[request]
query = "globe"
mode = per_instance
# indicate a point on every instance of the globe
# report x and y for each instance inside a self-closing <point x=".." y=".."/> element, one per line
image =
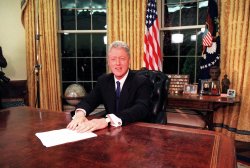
<point x="74" y="93"/>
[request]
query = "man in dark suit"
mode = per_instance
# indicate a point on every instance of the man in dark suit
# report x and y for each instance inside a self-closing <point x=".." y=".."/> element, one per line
<point x="130" y="104"/>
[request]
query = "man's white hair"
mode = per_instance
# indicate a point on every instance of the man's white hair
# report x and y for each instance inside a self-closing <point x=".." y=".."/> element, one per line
<point x="120" y="44"/>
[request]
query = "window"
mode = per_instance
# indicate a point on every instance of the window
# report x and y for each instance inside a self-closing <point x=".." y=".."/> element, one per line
<point x="82" y="30"/>
<point x="181" y="36"/>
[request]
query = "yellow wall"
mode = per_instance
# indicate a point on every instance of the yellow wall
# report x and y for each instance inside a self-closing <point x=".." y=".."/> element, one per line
<point x="12" y="39"/>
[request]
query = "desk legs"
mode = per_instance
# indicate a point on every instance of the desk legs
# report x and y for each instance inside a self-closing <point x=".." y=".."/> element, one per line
<point x="208" y="118"/>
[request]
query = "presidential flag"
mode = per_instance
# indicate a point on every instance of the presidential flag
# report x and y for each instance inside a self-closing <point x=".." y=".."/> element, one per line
<point x="152" y="51"/>
<point x="210" y="41"/>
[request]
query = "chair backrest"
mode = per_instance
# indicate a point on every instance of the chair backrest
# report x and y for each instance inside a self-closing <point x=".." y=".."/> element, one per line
<point x="159" y="94"/>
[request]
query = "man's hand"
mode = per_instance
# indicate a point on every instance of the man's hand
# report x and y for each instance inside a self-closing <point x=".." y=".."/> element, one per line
<point x="79" y="118"/>
<point x="92" y="125"/>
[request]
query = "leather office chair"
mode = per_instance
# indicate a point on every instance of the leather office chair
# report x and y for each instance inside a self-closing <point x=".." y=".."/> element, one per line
<point x="159" y="94"/>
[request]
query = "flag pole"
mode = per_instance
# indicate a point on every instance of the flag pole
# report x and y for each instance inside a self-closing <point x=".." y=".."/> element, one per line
<point x="37" y="66"/>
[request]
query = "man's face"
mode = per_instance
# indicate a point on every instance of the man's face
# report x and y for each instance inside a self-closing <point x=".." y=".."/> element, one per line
<point x="118" y="61"/>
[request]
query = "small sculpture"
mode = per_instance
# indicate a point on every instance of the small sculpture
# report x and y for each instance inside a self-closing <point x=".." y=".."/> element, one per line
<point x="225" y="82"/>
<point x="214" y="73"/>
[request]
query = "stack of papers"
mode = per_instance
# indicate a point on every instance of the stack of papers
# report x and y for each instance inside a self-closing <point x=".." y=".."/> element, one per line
<point x="61" y="136"/>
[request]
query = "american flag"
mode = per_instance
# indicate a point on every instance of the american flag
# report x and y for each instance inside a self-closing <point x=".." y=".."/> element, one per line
<point x="152" y="51"/>
<point x="207" y="38"/>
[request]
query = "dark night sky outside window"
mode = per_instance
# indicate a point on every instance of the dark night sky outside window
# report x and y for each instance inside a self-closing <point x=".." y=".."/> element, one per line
<point x="82" y="48"/>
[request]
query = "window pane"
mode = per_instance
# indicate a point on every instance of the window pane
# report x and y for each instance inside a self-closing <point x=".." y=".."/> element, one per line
<point x="83" y="45"/>
<point x="83" y="4"/>
<point x="99" y="4"/>
<point x="172" y="13"/>
<point x="187" y="67"/>
<point x="68" y="45"/>
<point x="87" y="86"/>
<point x="170" y="65"/>
<point x="99" y="67"/>
<point x="83" y="19"/>
<point x="188" y="0"/>
<point x="68" y="19"/>
<point x="99" y="19"/>
<point x="199" y="43"/>
<point x="187" y="48"/>
<point x="68" y="4"/>
<point x="169" y="48"/>
<point x="173" y="51"/>
<point x="167" y="43"/>
<point x="202" y="12"/>
<point x="172" y="1"/>
<point x="189" y="14"/>
<point x="99" y="48"/>
<point x="84" y="69"/>
<point x="68" y="69"/>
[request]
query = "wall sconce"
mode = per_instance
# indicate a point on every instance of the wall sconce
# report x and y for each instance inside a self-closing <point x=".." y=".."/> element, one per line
<point x="177" y="38"/>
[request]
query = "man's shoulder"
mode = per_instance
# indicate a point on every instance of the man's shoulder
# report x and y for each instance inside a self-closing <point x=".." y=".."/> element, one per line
<point x="105" y="77"/>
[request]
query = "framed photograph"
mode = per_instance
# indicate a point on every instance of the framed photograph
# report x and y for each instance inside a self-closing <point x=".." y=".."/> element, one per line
<point x="231" y="93"/>
<point x="190" y="89"/>
<point x="210" y="87"/>
<point x="215" y="88"/>
<point x="205" y="87"/>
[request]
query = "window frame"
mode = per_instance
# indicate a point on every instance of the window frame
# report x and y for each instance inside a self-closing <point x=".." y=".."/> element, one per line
<point x="161" y="16"/>
<point x="75" y="32"/>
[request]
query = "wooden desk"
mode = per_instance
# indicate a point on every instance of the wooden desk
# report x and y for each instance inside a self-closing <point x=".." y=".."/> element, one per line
<point x="136" y="145"/>
<point x="201" y="103"/>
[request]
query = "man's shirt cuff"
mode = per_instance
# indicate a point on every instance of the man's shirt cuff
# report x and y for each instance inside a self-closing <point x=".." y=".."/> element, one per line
<point x="114" y="120"/>
<point x="79" y="110"/>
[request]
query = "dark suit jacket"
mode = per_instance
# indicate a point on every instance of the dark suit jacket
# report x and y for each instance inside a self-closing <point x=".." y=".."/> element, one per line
<point x="134" y="103"/>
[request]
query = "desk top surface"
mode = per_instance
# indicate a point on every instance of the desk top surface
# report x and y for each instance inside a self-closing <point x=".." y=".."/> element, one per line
<point x="135" y="145"/>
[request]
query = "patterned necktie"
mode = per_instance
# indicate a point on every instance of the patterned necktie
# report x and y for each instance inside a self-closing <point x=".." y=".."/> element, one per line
<point x="118" y="90"/>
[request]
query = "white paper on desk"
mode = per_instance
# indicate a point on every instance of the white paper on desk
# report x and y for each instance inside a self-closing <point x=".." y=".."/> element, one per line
<point x="61" y="136"/>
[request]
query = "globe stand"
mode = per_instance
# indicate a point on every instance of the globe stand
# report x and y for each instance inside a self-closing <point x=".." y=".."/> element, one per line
<point x="71" y="103"/>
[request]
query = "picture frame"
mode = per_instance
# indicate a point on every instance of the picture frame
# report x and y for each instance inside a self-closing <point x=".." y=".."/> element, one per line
<point x="177" y="83"/>
<point x="231" y="93"/>
<point x="210" y="87"/>
<point x="215" y="88"/>
<point x="205" y="87"/>
<point x="190" y="89"/>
